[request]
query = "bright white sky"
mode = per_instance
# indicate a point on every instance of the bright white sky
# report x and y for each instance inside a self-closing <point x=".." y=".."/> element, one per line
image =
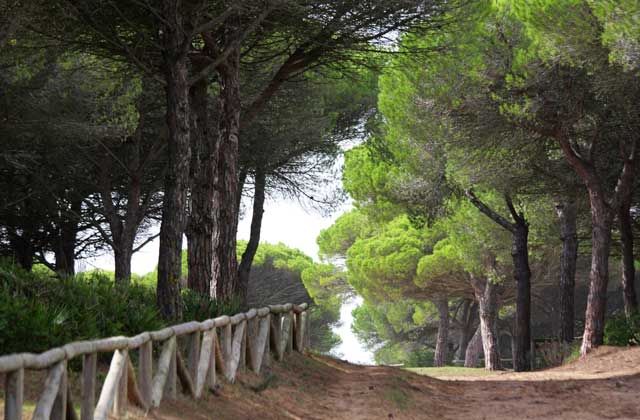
<point x="284" y="221"/>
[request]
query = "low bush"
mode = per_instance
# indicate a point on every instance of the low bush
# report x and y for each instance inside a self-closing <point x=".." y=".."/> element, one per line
<point x="39" y="311"/>
<point x="622" y="330"/>
<point x="197" y="307"/>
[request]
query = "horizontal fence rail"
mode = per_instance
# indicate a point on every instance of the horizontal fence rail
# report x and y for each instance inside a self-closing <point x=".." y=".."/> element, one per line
<point x="214" y="347"/>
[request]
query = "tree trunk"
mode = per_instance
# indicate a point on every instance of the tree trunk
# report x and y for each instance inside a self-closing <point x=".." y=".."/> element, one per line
<point x="122" y="253"/>
<point x="567" y="213"/>
<point x="519" y="229"/>
<point x="65" y="252"/>
<point x="256" y="226"/>
<point x="628" y="268"/>
<point x="467" y="331"/>
<point x="522" y="274"/>
<point x="474" y="349"/>
<point x="23" y="251"/>
<point x="201" y="219"/>
<point x="442" y="342"/>
<point x="226" y="283"/>
<point x="601" y="221"/>
<point x="463" y="341"/>
<point x="487" y="296"/>
<point x="604" y="205"/>
<point x="175" y="64"/>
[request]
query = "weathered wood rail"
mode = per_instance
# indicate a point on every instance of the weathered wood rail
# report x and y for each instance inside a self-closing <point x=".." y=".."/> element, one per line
<point x="215" y="346"/>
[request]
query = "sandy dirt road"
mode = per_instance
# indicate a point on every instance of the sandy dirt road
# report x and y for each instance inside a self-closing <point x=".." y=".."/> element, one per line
<point x="605" y="386"/>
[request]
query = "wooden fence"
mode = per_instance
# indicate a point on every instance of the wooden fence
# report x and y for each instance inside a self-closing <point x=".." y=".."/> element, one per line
<point x="214" y="347"/>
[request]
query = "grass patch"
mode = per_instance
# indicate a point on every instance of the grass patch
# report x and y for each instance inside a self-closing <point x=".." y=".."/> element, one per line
<point x="450" y="371"/>
<point x="573" y="355"/>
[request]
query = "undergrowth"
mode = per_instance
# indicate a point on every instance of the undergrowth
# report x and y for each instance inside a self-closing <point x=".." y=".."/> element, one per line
<point x="40" y="311"/>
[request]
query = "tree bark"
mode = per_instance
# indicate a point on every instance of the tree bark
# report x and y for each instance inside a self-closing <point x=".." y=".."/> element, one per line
<point x="522" y="274"/>
<point x="65" y="251"/>
<point x="603" y="206"/>
<point x="175" y="63"/>
<point x="519" y="229"/>
<point x="487" y="296"/>
<point x="628" y="267"/>
<point x="123" y="232"/>
<point x="474" y="349"/>
<point x="442" y="341"/>
<point x="226" y="282"/>
<point x="256" y="226"/>
<point x="470" y="309"/>
<point x="567" y="214"/>
<point x="201" y="218"/>
<point x="601" y="224"/>
<point x="122" y="257"/>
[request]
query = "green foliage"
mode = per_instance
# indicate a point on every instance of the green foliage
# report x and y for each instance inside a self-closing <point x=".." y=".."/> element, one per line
<point x="198" y="307"/>
<point x="349" y="227"/>
<point x="622" y="330"/>
<point x="382" y="266"/>
<point x="40" y="312"/>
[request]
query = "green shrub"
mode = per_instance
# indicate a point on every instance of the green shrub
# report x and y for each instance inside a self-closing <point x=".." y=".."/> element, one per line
<point x="200" y="307"/>
<point x="420" y="356"/>
<point x="40" y="311"/>
<point x="621" y="330"/>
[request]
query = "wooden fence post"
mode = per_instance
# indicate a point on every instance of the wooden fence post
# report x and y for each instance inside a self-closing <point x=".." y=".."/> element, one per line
<point x="203" y="364"/>
<point x="301" y="326"/>
<point x="88" y="393"/>
<point x="275" y="333"/>
<point x="59" y="411"/>
<point x="266" y="354"/>
<point x="194" y="354"/>
<point x="46" y="406"/>
<point x="145" y="370"/>
<point x="292" y="321"/>
<point x="162" y="375"/>
<point x="121" y="399"/>
<point x="14" y="394"/>
<point x="171" y="385"/>
<point x="110" y="386"/>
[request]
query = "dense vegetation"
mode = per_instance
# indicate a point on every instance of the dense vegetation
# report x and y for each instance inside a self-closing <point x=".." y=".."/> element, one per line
<point x="493" y="179"/>
<point x="499" y="159"/>
<point x="40" y="310"/>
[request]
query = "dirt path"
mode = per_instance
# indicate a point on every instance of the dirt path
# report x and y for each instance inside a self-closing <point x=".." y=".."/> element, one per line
<point x="606" y="386"/>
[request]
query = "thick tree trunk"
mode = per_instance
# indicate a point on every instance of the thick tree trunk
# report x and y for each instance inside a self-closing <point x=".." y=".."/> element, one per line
<point x="487" y="296"/>
<point x="177" y="176"/>
<point x="567" y="214"/>
<point x="628" y="268"/>
<point x="442" y="341"/>
<point x="65" y="252"/>
<point x="474" y="349"/>
<point x="603" y="206"/>
<point x="256" y="226"/>
<point x="465" y="328"/>
<point x="122" y="254"/>
<point x="601" y="221"/>
<point x="468" y="327"/>
<point x="522" y="274"/>
<point x="201" y="218"/>
<point x="226" y="283"/>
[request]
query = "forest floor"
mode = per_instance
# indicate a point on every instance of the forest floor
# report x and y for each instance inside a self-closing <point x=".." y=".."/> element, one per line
<point x="606" y="385"/>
